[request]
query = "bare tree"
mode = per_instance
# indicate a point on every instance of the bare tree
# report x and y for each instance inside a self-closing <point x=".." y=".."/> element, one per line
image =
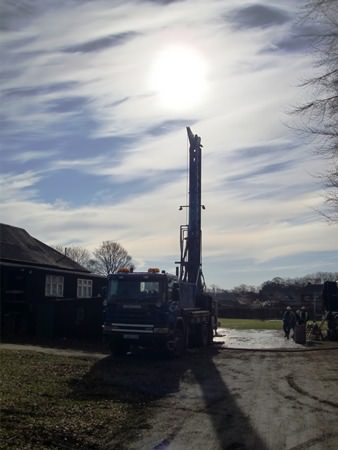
<point x="59" y="248"/>
<point x="77" y="254"/>
<point x="320" y="113"/>
<point x="111" y="257"/>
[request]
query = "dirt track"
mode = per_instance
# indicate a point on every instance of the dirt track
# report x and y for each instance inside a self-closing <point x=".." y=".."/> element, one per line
<point x="230" y="399"/>
<point x="237" y="400"/>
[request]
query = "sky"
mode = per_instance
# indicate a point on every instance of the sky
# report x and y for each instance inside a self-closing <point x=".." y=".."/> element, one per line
<point x="95" y="100"/>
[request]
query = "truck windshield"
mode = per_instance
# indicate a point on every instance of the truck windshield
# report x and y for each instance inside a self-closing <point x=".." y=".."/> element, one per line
<point x="137" y="290"/>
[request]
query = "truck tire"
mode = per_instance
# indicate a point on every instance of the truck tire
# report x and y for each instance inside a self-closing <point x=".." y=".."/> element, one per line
<point x="202" y="336"/>
<point x="118" y="348"/>
<point x="210" y="334"/>
<point x="177" y="344"/>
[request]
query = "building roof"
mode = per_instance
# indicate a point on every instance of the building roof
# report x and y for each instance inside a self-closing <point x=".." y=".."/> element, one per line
<point x="17" y="246"/>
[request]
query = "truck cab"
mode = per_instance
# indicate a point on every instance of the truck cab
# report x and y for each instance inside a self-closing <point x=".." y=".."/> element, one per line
<point x="153" y="309"/>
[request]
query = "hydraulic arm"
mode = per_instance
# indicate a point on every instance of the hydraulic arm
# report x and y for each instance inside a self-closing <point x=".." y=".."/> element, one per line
<point x="191" y="234"/>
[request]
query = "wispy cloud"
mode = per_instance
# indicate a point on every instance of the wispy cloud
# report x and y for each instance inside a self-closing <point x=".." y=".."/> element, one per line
<point x="90" y="152"/>
<point x="18" y="186"/>
<point x="32" y="155"/>
<point x="258" y="16"/>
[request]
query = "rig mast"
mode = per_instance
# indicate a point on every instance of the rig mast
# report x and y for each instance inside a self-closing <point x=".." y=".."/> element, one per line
<point x="191" y="234"/>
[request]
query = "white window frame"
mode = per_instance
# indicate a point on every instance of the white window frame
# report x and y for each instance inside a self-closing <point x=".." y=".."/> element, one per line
<point x="54" y="286"/>
<point x="84" y="288"/>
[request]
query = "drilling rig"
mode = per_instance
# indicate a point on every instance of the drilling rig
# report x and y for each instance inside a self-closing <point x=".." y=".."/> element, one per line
<point x="161" y="310"/>
<point x="191" y="234"/>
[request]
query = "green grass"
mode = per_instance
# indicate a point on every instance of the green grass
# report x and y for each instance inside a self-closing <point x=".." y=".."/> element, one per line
<point x="62" y="402"/>
<point x="250" y="324"/>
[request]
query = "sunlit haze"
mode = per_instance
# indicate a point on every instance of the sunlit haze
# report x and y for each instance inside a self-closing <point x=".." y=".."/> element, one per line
<point x="95" y="100"/>
<point x="178" y="76"/>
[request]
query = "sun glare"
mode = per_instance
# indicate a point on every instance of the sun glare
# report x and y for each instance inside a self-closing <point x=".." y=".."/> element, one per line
<point x="178" y="76"/>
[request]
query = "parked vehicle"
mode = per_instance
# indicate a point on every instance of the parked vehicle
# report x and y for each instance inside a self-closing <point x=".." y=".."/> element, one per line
<point x="162" y="310"/>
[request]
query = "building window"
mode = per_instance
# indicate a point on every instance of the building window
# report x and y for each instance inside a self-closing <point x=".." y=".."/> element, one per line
<point x="54" y="286"/>
<point x="84" y="288"/>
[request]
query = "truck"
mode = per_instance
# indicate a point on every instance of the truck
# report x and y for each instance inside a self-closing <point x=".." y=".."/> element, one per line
<point x="330" y="307"/>
<point x="159" y="310"/>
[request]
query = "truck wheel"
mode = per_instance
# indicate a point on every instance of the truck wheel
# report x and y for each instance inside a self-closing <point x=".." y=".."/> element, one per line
<point x="177" y="345"/>
<point x="118" y="348"/>
<point x="203" y="336"/>
<point x="210" y="334"/>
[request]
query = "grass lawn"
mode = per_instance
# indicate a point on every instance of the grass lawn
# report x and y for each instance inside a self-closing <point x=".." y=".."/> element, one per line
<point x="250" y="324"/>
<point x="62" y="402"/>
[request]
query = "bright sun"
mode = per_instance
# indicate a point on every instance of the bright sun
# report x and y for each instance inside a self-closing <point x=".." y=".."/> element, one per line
<point x="178" y="76"/>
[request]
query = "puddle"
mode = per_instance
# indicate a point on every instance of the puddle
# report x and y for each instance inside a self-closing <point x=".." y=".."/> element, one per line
<point x="255" y="339"/>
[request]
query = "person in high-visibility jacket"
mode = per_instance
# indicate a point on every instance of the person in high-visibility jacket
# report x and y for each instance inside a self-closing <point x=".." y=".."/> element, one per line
<point x="289" y="321"/>
<point x="302" y="316"/>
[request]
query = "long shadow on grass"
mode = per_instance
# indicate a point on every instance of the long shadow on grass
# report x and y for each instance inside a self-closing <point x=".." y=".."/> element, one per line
<point x="144" y="378"/>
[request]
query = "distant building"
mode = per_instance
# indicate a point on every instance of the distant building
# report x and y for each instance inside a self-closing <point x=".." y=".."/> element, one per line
<point x="43" y="292"/>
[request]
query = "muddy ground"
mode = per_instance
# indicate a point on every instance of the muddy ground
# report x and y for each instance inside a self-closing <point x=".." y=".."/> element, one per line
<point x="231" y="399"/>
<point x="225" y="398"/>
